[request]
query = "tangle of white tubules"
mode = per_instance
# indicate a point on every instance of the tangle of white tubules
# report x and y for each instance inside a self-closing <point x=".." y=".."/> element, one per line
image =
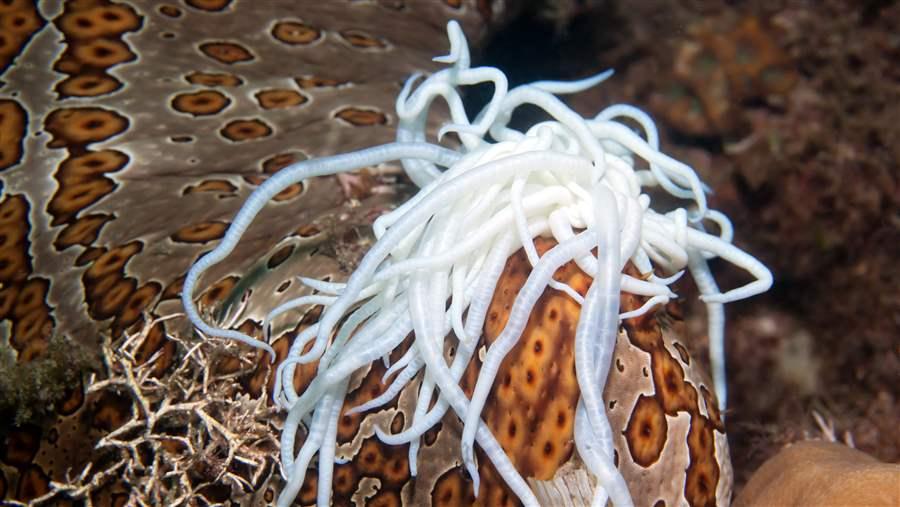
<point x="438" y="256"/>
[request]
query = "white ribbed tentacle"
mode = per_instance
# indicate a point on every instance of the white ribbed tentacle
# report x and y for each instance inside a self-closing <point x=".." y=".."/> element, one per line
<point x="273" y="186"/>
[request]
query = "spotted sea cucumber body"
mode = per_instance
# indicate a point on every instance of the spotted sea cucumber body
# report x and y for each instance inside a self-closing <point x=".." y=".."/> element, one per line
<point x="670" y="441"/>
<point x="157" y="119"/>
<point x="669" y="438"/>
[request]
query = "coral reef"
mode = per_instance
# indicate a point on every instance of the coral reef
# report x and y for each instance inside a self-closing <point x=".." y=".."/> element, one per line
<point x="723" y="64"/>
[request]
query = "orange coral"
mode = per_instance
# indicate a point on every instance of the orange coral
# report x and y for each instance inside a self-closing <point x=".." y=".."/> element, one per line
<point x="722" y="64"/>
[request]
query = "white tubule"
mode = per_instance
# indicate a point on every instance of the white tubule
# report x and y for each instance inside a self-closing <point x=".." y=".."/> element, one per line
<point x="570" y="178"/>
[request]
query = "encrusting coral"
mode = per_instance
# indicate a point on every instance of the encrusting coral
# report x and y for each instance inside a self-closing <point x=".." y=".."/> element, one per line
<point x="822" y="473"/>
<point x="152" y="440"/>
<point x="29" y="391"/>
<point x="437" y="259"/>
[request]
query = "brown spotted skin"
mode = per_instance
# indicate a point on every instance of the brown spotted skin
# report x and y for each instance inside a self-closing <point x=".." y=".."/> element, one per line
<point x="19" y="21"/>
<point x="681" y="459"/>
<point x="23" y="294"/>
<point x="670" y="446"/>
<point x="532" y="404"/>
<point x="667" y="447"/>
<point x="146" y="100"/>
<point x="12" y="132"/>
<point x="156" y="122"/>
<point x="678" y="420"/>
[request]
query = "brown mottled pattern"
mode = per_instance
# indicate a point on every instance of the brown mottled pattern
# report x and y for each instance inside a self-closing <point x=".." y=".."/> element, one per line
<point x="160" y="118"/>
<point x="667" y="459"/>
<point x="93" y="33"/>
<point x="361" y="117"/>
<point x="19" y="21"/>
<point x="363" y="40"/>
<point x="680" y="415"/>
<point x="12" y="132"/>
<point x="202" y="103"/>
<point x="22" y="294"/>
<point x="280" y="98"/>
<point x="227" y="52"/>
<point x="532" y="404"/>
<point x="295" y="33"/>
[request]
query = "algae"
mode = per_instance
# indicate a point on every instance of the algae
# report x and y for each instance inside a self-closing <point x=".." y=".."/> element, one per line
<point x="29" y="391"/>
